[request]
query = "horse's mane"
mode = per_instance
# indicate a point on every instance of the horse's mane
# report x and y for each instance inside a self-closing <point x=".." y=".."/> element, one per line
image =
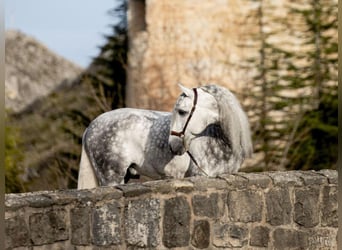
<point x="233" y="120"/>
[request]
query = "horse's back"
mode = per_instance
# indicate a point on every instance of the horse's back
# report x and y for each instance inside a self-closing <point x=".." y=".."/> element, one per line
<point x="120" y="121"/>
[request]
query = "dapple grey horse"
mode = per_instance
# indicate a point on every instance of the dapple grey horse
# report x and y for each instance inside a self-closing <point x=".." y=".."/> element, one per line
<point x="209" y="124"/>
<point x="206" y="134"/>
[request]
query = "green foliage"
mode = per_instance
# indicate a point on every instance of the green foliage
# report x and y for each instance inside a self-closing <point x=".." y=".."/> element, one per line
<point x="13" y="158"/>
<point x="111" y="64"/>
<point x="317" y="143"/>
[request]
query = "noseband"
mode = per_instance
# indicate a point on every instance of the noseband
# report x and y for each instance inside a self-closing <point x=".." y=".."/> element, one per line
<point x="181" y="134"/>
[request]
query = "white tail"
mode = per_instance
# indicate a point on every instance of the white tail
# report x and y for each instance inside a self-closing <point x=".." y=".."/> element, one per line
<point x="86" y="175"/>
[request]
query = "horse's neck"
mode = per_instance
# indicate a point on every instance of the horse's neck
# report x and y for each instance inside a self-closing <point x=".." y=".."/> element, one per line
<point x="213" y="156"/>
<point x="161" y="128"/>
<point x="157" y="143"/>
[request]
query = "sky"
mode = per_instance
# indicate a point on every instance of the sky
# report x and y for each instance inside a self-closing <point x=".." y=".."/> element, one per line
<point x="72" y="28"/>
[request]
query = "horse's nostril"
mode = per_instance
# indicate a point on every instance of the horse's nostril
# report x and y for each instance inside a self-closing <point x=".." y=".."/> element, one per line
<point x="176" y="146"/>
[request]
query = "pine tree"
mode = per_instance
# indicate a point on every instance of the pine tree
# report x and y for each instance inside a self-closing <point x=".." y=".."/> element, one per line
<point x="104" y="80"/>
<point x="110" y="66"/>
<point x="51" y="133"/>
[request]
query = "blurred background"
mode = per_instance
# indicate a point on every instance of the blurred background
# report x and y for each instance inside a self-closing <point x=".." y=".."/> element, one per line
<point x="69" y="61"/>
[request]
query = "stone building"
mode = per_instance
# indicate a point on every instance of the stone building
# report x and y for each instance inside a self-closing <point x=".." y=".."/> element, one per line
<point x="181" y="41"/>
<point x="194" y="44"/>
<point x="208" y="42"/>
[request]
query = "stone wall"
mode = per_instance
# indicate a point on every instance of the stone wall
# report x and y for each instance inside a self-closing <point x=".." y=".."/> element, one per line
<point x="272" y="210"/>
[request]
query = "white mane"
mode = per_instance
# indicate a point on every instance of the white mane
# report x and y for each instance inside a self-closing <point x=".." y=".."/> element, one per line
<point x="233" y="120"/>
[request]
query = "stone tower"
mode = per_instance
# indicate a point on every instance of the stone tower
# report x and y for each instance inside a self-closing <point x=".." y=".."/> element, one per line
<point x="187" y="42"/>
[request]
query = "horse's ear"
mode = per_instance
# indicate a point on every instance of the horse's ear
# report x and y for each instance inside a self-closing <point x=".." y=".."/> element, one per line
<point x="188" y="92"/>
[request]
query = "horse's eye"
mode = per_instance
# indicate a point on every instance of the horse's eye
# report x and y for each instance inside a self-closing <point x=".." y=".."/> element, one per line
<point x="182" y="112"/>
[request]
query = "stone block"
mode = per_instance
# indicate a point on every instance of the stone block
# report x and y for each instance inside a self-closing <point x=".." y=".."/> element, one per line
<point x="107" y="193"/>
<point x="260" y="236"/>
<point x="207" y="206"/>
<point x="201" y="234"/>
<point x="332" y="175"/>
<point x="159" y="186"/>
<point x="234" y="181"/>
<point x="324" y="239"/>
<point x="33" y="199"/>
<point x="14" y="202"/>
<point x="260" y="180"/>
<point x="71" y="195"/>
<point x="230" y="235"/>
<point x="311" y="177"/>
<point x="16" y="232"/>
<point x="171" y="186"/>
<point x="245" y="205"/>
<point x="39" y="201"/>
<point x="63" y="197"/>
<point x="306" y="207"/>
<point x="279" y="207"/>
<point x="106" y="227"/>
<point x="49" y="227"/>
<point x="176" y="223"/>
<point x="80" y="219"/>
<point x="203" y="183"/>
<point x="285" y="179"/>
<point x="329" y="207"/>
<point x="142" y="219"/>
<point x="133" y="190"/>
<point x="290" y="239"/>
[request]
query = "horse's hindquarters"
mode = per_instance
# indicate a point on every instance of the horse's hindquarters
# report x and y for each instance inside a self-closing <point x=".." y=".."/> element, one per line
<point x="86" y="175"/>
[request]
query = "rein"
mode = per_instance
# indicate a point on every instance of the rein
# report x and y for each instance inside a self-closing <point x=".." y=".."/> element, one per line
<point x="194" y="160"/>
<point x="181" y="134"/>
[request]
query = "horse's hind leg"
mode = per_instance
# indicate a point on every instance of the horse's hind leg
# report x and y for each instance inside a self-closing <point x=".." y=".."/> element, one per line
<point x="131" y="173"/>
<point x="86" y="175"/>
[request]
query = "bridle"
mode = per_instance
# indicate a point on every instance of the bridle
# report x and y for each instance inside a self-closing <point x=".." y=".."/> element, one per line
<point x="182" y="133"/>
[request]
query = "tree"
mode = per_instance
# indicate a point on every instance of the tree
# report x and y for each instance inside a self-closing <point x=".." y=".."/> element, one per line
<point x="13" y="157"/>
<point x="51" y="131"/>
<point x="111" y="64"/>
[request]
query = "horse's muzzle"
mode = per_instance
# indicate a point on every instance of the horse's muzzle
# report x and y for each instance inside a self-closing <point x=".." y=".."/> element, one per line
<point x="176" y="145"/>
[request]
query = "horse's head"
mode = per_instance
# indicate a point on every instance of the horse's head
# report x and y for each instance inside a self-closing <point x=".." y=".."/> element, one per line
<point x="199" y="108"/>
<point x="194" y="110"/>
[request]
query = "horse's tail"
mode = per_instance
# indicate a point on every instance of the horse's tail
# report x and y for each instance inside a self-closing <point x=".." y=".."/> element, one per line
<point x="86" y="175"/>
